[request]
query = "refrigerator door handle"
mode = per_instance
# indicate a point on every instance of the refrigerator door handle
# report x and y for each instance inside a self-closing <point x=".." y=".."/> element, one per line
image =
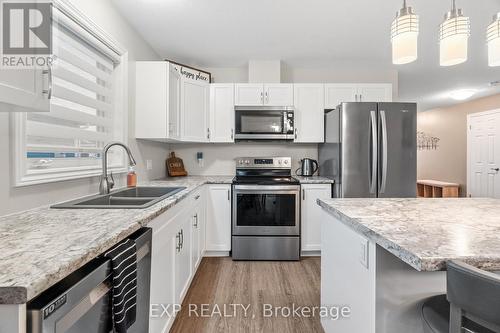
<point x="383" y="121"/>
<point x="374" y="148"/>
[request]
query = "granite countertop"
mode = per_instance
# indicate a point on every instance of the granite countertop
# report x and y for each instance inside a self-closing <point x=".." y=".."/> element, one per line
<point x="425" y="233"/>
<point x="314" y="180"/>
<point x="41" y="246"/>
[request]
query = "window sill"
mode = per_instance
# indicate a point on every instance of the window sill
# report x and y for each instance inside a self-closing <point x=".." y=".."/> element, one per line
<point x="29" y="180"/>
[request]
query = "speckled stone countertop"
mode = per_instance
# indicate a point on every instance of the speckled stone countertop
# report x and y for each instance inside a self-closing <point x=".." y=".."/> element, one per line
<point x="425" y="233"/>
<point x="314" y="180"/>
<point x="39" y="247"/>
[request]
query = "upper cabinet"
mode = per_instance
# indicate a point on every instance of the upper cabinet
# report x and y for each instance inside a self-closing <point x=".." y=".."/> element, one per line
<point x="252" y="94"/>
<point x="194" y="111"/>
<point x="336" y="93"/>
<point x="28" y="88"/>
<point x="222" y="112"/>
<point x="170" y="106"/>
<point x="309" y="112"/>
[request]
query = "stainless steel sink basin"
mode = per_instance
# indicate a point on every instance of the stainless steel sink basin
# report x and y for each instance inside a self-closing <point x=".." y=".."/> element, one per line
<point x="132" y="198"/>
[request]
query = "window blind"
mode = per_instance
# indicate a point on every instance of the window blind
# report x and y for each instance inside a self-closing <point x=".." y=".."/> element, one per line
<point x="82" y="117"/>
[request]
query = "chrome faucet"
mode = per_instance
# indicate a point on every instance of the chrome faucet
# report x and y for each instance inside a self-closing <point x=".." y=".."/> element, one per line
<point x="107" y="183"/>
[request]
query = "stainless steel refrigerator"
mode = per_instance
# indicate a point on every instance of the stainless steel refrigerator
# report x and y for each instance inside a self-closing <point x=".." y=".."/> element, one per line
<point x="370" y="150"/>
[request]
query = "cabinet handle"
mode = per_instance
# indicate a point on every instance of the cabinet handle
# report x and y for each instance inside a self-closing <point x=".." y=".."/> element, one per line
<point x="267" y="97"/>
<point x="228" y="195"/>
<point x="360" y="97"/>
<point x="262" y="97"/>
<point x="295" y="132"/>
<point x="303" y="194"/>
<point x="48" y="71"/>
<point x="182" y="239"/>
<point x="356" y="97"/>
<point x="232" y="134"/>
<point x="178" y="237"/>
<point x="195" y="224"/>
<point x="208" y="133"/>
<point x="197" y="197"/>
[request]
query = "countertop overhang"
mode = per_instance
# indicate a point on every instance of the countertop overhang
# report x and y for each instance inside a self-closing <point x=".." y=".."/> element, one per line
<point x="426" y="233"/>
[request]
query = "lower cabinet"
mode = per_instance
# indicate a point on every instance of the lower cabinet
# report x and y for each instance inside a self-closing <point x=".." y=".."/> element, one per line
<point x="182" y="258"/>
<point x="311" y="215"/>
<point x="218" y="228"/>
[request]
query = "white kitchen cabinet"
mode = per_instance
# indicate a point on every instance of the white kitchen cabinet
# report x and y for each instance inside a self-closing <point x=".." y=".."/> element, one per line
<point x="375" y="92"/>
<point x="309" y="112"/>
<point x="249" y="94"/>
<point x="194" y="110"/>
<point x="222" y="112"/>
<point x="278" y="94"/>
<point x="27" y="88"/>
<point x="255" y="94"/>
<point x="182" y="258"/>
<point x="312" y="214"/>
<point x="336" y="93"/>
<point x="218" y="221"/>
<point x="157" y="101"/>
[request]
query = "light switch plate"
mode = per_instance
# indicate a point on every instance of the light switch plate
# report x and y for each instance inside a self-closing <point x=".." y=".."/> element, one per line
<point x="364" y="251"/>
<point x="149" y="164"/>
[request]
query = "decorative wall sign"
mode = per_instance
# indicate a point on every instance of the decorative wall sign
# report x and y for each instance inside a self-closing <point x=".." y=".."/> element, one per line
<point x="192" y="73"/>
<point x="426" y="142"/>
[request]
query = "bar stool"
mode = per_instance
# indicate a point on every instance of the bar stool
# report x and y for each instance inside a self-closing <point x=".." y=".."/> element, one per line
<point x="471" y="303"/>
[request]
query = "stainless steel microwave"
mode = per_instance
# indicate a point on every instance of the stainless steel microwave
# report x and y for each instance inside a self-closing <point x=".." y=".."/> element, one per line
<point x="264" y="122"/>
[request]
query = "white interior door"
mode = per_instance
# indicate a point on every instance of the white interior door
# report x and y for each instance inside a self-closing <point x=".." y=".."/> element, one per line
<point x="483" y="154"/>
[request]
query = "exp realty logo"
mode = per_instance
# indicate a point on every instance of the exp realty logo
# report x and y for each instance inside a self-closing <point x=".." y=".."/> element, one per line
<point x="26" y="34"/>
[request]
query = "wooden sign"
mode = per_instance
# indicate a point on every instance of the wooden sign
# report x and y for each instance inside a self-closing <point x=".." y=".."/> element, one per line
<point x="192" y="73"/>
<point x="175" y="166"/>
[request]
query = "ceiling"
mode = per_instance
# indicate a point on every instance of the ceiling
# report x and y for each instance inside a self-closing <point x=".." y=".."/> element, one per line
<point x="228" y="33"/>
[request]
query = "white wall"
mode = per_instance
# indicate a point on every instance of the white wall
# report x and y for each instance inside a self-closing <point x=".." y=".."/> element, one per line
<point x="13" y="199"/>
<point x="219" y="158"/>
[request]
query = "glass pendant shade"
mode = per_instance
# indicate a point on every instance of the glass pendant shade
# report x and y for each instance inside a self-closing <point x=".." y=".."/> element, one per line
<point x="404" y="36"/>
<point x="493" y="37"/>
<point x="454" y="38"/>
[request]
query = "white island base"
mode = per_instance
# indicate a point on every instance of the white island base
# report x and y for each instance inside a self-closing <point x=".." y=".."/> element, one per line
<point x="383" y="292"/>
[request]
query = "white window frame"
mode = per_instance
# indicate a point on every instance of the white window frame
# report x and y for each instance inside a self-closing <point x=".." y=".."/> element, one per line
<point x="18" y="120"/>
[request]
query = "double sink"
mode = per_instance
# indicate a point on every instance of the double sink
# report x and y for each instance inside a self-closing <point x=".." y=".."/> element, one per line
<point x="132" y="198"/>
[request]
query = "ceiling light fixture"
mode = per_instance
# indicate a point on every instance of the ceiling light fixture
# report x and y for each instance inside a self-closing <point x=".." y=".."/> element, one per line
<point x="454" y="35"/>
<point x="493" y="38"/>
<point x="404" y="36"/>
<point x="462" y="94"/>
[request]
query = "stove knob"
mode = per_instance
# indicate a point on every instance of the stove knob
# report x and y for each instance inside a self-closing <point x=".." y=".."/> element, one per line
<point x="279" y="161"/>
<point x="286" y="161"/>
<point x="240" y="162"/>
<point x="247" y="162"/>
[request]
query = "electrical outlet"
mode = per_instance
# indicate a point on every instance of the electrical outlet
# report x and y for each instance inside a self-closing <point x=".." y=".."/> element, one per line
<point x="149" y="164"/>
<point x="364" y="252"/>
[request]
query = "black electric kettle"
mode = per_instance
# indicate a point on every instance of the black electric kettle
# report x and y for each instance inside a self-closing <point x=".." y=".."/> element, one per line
<point x="308" y="167"/>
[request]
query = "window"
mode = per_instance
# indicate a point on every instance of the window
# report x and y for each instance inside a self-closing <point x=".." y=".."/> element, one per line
<point x="87" y="108"/>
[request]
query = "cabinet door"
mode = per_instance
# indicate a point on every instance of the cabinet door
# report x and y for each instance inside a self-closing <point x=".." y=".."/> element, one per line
<point x="218" y="228"/>
<point x="162" y="273"/>
<point x="312" y="215"/>
<point x="309" y="112"/>
<point x="221" y="113"/>
<point x="183" y="268"/>
<point x="194" y="110"/>
<point x="249" y="94"/>
<point x="278" y="94"/>
<point x="338" y="93"/>
<point x="174" y="103"/>
<point x="375" y="92"/>
<point x="25" y="88"/>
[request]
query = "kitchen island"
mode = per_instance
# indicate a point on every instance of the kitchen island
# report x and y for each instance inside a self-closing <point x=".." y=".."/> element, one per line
<point x="383" y="257"/>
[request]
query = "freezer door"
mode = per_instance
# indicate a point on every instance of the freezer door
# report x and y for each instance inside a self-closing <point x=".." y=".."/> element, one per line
<point x="397" y="170"/>
<point x="358" y="150"/>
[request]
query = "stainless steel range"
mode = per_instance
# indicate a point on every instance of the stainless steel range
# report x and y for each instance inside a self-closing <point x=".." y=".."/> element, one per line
<point x="266" y="210"/>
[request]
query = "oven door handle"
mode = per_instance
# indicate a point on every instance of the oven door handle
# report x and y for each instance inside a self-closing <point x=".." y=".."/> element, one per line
<point x="266" y="189"/>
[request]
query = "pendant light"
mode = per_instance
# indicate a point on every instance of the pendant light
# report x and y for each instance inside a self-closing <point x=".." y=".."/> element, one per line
<point x="493" y="37"/>
<point x="404" y="36"/>
<point x="454" y="35"/>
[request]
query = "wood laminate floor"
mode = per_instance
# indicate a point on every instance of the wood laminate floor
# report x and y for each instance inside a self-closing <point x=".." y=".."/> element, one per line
<point x="222" y="282"/>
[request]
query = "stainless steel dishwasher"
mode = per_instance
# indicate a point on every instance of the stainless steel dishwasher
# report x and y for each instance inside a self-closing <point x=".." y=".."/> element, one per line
<point x="81" y="302"/>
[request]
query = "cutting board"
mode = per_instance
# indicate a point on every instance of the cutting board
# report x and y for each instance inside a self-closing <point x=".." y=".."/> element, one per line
<point x="175" y="166"/>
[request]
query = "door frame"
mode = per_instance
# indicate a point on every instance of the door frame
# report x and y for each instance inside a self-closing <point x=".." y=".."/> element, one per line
<point x="469" y="144"/>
